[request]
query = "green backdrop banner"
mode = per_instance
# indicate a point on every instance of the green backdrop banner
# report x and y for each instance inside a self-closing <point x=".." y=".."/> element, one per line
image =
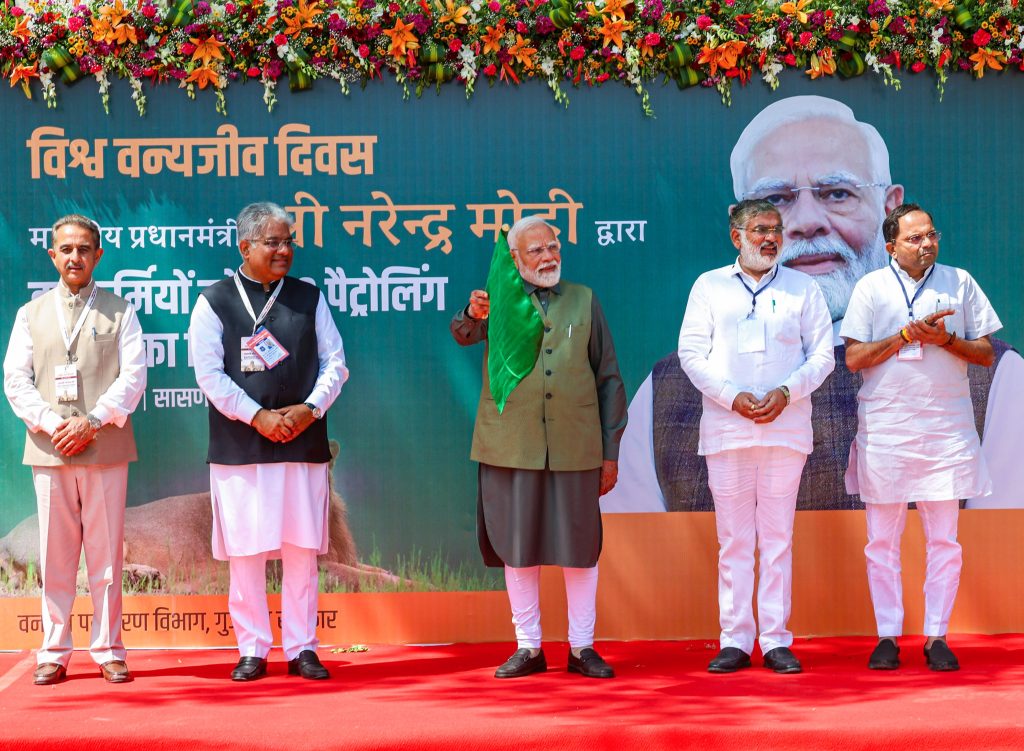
<point x="398" y="204"/>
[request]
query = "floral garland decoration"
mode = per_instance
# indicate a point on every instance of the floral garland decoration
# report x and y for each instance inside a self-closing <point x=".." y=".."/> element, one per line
<point x="421" y="43"/>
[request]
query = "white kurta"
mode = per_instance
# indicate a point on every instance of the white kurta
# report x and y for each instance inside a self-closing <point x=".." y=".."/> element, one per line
<point x="916" y="435"/>
<point x="259" y="507"/>
<point x="796" y="352"/>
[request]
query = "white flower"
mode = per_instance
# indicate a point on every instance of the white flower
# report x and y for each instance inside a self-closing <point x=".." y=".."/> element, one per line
<point x="547" y="66"/>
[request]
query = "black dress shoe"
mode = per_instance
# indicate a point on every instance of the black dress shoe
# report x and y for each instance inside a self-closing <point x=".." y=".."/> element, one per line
<point x="781" y="660"/>
<point x="940" y="657"/>
<point x="249" y="669"/>
<point x="885" y="657"/>
<point x="590" y="664"/>
<point x="520" y="664"/>
<point x="729" y="660"/>
<point x="307" y="664"/>
<point x="49" y="673"/>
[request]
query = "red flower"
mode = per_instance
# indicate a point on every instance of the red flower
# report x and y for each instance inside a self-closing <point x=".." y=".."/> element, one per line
<point x="16" y="11"/>
<point x="704" y="22"/>
<point x="981" y="38"/>
<point x="918" y="66"/>
<point x="363" y="50"/>
<point x="491" y="70"/>
<point x="789" y="59"/>
<point x="253" y="72"/>
<point x="603" y="77"/>
<point x="578" y="52"/>
<point x="494" y="5"/>
<point x="148" y="11"/>
<point x="455" y="45"/>
<point x="188" y="48"/>
<point x="280" y="39"/>
<point x="806" y="38"/>
<point x="652" y="39"/>
<point x="75" y="23"/>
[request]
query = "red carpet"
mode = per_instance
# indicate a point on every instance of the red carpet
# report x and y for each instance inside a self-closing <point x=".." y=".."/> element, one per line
<point x="446" y="698"/>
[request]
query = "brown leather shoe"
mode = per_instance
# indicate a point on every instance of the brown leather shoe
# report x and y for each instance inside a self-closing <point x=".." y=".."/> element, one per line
<point x="49" y="673"/>
<point x="115" y="671"/>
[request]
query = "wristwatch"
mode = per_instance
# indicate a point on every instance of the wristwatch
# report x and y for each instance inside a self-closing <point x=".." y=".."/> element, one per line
<point x="317" y="412"/>
<point x="94" y="422"/>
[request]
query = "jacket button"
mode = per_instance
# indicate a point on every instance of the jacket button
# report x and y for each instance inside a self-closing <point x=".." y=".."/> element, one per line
<point x="74" y="358"/>
<point x="547" y="372"/>
<point x="74" y="413"/>
<point x="547" y="396"/>
<point x="547" y="351"/>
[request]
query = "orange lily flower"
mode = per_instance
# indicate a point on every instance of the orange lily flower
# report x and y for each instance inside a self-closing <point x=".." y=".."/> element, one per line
<point x="985" y="58"/>
<point x="21" y="30"/>
<point x="492" y="39"/>
<point x="796" y="10"/>
<point x="402" y="39"/>
<point x="522" y="53"/>
<point x="822" y="64"/>
<point x="453" y="14"/>
<point x="612" y="31"/>
<point x="723" y="56"/>
<point x="203" y="76"/>
<point x="302" y="18"/>
<point x="113" y="14"/>
<point x="616" y="9"/>
<point x="22" y="74"/>
<point x="207" y="49"/>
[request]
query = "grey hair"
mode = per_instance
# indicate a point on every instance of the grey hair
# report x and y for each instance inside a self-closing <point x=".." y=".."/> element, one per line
<point x="743" y="211"/>
<point x="795" y="109"/>
<point x="254" y="217"/>
<point x="78" y="220"/>
<point x="527" y="222"/>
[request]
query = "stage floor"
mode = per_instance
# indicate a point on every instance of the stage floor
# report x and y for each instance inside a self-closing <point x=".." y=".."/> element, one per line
<point x="445" y="697"/>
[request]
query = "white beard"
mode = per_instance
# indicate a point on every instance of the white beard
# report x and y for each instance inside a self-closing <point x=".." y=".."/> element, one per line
<point x="542" y="278"/>
<point x="837" y="286"/>
<point x="752" y="258"/>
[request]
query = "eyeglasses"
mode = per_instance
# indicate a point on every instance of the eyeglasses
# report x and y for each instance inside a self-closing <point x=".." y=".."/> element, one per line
<point x="273" y="243"/>
<point x="915" y="241"/>
<point x="535" y="251"/>
<point x="762" y="231"/>
<point x="838" y="197"/>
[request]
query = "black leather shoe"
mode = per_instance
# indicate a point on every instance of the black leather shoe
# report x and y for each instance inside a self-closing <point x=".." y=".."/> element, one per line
<point x="590" y="664"/>
<point x="781" y="660"/>
<point x="885" y="657"/>
<point x="940" y="657"/>
<point x="249" y="669"/>
<point x="49" y="673"/>
<point x="307" y="664"/>
<point x="520" y="664"/>
<point x="729" y="660"/>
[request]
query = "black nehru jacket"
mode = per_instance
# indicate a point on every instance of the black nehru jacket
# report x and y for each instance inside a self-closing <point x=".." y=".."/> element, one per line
<point x="292" y="321"/>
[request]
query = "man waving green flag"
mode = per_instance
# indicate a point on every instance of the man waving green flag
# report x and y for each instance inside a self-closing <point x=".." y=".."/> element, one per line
<point x="515" y="326"/>
<point x="547" y="453"/>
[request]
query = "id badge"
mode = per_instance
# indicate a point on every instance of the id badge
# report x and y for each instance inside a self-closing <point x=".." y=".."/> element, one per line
<point x="912" y="351"/>
<point x="750" y="333"/>
<point x="250" y="362"/>
<point x="65" y="382"/>
<point x="266" y="347"/>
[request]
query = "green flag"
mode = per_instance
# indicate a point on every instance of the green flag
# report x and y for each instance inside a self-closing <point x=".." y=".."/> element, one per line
<point x="514" y="327"/>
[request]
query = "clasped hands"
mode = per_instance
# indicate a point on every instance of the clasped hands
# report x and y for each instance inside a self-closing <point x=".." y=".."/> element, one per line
<point x="73" y="436"/>
<point x="931" y="329"/>
<point x="283" y="424"/>
<point x="761" y="410"/>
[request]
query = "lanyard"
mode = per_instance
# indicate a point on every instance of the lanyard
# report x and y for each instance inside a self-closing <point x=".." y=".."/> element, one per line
<point x="69" y="338"/>
<point x="753" y="295"/>
<point x="248" y="306"/>
<point x="911" y="300"/>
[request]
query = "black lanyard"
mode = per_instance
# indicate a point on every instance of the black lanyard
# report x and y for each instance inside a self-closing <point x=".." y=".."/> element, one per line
<point x="753" y="295"/>
<point x="910" y="301"/>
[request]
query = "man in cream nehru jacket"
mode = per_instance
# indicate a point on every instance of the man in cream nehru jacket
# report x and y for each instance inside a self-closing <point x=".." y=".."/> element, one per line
<point x="74" y="372"/>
